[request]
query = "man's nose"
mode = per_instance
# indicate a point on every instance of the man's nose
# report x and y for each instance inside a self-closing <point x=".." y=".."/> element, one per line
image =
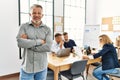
<point x="36" y="14"/>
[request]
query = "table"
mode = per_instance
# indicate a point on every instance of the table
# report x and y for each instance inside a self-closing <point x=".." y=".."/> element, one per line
<point x="58" y="64"/>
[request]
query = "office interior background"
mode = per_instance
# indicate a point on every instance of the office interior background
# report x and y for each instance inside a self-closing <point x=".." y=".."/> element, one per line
<point x="84" y="20"/>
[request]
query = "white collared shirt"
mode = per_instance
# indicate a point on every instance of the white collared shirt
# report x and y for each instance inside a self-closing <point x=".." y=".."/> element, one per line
<point x="56" y="47"/>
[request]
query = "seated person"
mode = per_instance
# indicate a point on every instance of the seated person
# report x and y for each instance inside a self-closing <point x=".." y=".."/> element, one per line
<point x="68" y="43"/>
<point x="109" y="59"/>
<point x="58" y="43"/>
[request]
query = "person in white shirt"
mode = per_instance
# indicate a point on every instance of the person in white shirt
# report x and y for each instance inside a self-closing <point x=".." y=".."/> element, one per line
<point x="58" y="43"/>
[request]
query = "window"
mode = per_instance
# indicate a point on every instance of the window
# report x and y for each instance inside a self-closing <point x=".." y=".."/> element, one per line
<point x="24" y="8"/>
<point x="74" y="16"/>
<point x="74" y="19"/>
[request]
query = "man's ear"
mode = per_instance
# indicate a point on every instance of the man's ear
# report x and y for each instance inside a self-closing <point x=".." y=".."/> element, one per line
<point x="42" y="15"/>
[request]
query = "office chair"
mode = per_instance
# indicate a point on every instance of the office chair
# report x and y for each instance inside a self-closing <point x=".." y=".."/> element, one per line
<point x="50" y="75"/>
<point x="117" y="75"/>
<point x="76" y="70"/>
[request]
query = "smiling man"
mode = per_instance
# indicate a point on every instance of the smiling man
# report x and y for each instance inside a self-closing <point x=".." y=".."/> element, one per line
<point x="36" y="40"/>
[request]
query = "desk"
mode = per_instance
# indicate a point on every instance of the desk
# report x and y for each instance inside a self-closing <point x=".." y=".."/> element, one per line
<point x="58" y="64"/>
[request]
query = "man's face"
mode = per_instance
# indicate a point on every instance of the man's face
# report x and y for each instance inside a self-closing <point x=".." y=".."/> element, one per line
<point x="58" y="39"/>
<point x="66" y="37"/>
<point x="36" y="14"/>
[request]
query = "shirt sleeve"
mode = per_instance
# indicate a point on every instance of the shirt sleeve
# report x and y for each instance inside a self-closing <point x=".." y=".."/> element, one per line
<point x="104" y="50"/>
<point x="26" y="43"/>
<point x="55" y="47"/>
<point x="74" y="43"/>
<point x="47" y="46"/>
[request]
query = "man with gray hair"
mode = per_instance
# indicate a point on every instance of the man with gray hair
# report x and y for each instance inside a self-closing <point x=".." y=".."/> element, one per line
<point x="36" y="40"/>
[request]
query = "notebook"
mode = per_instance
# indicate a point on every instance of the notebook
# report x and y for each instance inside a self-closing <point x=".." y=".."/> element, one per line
<point x="64" y="52"/>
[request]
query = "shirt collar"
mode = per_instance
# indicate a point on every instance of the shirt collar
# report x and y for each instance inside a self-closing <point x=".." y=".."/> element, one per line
<point x="56" y="42"/>
<point x="41" y="25"/>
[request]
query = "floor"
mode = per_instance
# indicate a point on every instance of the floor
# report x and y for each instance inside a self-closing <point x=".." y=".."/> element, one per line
<point x="15" y="77"/>
<point x="90" y="77"/>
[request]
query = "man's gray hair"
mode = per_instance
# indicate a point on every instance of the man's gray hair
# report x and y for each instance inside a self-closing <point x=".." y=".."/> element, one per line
<point x="36" y="5"/>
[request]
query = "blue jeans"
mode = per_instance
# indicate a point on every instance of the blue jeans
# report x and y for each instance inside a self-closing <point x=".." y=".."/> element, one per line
<point x="101" y="74"/>
<point x="33" y="76"/>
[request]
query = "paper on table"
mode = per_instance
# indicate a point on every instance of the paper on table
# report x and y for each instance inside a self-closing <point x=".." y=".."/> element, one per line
<point x="78" y="51"/>
<point x="72" y="59"/>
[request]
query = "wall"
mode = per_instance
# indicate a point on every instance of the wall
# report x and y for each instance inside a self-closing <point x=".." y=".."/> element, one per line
<point x="58" y="16"/>
<point x="96" y="9"/>
<point x="91" y="27"/>
<point x="107" y="8"/>
<point x="58" y="6"/>
<point x="9" y="60"/>
<point x="91" y="10"/>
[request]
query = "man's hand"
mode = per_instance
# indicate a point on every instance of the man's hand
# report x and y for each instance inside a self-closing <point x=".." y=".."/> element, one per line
<point x="61" y="44"/>
<point x="73" y="50"/>
<point x="24" y="36"/>
<point x="85" y="57"/>
<point x="43" y="42"/>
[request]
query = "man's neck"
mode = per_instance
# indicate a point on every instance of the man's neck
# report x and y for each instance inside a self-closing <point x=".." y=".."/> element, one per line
<point x="36" y="24"/>
<point x="66" y="40"/>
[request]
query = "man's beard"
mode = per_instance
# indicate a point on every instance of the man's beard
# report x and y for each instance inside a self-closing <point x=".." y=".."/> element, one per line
<point x="36" y="22"/>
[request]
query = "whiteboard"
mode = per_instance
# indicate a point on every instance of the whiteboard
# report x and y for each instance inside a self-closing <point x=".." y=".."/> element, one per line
<point x="91" y="34"/>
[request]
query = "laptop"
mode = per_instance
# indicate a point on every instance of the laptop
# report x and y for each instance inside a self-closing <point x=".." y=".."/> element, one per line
<point x="64" y="52"/>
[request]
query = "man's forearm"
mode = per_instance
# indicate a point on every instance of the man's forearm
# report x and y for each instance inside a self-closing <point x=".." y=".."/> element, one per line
<point x="28" y="43"/>
<point x="42" y="48"/>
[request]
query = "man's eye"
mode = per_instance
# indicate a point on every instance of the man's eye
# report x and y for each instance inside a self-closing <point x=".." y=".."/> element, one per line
<point x="34" y="13"/>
